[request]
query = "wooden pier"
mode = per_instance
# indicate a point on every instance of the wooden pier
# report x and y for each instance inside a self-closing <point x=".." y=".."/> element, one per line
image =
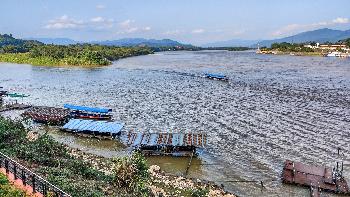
<point x="316" y="177"/>
<point x="172" y="144"/>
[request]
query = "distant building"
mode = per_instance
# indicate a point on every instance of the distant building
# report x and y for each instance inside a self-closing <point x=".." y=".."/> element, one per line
<point x="312" y="46"/>
<point x="331" y="47"/>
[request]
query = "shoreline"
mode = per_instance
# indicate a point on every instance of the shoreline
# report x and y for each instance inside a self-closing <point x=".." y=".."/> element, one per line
<point x="71" y="169"/>
<point x="291" y="53"/>
<point x="11" y="58"/>
<point x="160" y="180"/>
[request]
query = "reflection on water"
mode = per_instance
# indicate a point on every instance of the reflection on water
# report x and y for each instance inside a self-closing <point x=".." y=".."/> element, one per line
<point x="273" y="108"/>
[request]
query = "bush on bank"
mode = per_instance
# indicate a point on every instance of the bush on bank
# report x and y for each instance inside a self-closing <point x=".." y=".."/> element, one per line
<point x="8" y="190"/>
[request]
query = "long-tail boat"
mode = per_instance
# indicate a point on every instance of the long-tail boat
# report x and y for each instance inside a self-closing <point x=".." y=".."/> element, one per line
<point x="82" y="112"/>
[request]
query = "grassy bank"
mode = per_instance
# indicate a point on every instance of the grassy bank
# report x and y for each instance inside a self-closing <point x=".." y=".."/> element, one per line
<point x="85" y="175"/>
<point x="51" y="159"/>
<point x="73" y="55"/>
<point x="291" y="49"/>
<point x="33" y="52"/>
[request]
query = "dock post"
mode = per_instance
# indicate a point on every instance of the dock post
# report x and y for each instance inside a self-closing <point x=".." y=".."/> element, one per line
<point x="189" y="163"/>
<point x="314" y="191"/>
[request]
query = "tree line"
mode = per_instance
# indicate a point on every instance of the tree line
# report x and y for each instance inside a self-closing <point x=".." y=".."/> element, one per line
<point x="34" y="52"/>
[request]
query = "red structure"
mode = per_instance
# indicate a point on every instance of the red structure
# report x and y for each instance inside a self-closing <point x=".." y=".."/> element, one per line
<point x="318" y="178"/>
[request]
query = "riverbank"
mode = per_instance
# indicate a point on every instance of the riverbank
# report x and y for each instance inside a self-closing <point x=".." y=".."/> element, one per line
<point x="81" y="174"/>
<point x="73" y="55"/>
<point x="276" y="52"/>
<point x="19" y="51"/>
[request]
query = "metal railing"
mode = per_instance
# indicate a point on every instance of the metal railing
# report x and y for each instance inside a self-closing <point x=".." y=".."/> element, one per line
<point x="30" y="178"/>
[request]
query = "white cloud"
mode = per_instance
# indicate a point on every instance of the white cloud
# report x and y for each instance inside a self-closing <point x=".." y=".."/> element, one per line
<point x="64" y="22"/>
<point x="147" y="28"/>
<point x="198" y="31"/>
<point x="97" y="19"/>
<point x="126" y="23"/>
<point x="340" y="20"/>
<point x="292" y="28"/>
<point x="129" y="26"/>
<point x="101" y="23"/>
<point x="100" y="7"/>
<point x="174" y="32"/>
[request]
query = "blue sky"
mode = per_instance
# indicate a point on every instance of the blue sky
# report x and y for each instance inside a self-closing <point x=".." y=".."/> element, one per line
<point x="189" y="21"/>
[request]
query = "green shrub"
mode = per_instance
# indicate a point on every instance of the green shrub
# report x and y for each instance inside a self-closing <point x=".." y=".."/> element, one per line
<point x="44" y="151"/>
<point x="131" y="174"/>
<point x="199" y="192"/>
<point x="7" y="190"/>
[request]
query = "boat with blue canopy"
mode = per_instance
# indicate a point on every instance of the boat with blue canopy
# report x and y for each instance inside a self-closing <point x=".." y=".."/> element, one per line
<point x="83" y="112"/>
<point x="216" y="76"/>
<point x="16" y="95"/>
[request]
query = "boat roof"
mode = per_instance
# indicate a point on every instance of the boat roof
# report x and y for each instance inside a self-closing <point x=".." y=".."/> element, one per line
<point x="167" y="139"/>
<point x="88" y="109"/>
<point x="17" y="95"/>
<point x="80" y="125"/>
<point x="215" y="75"/>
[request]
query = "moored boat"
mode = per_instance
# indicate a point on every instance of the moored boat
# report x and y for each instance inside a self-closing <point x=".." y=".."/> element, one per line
<point x="216" y="77"/>
<point x="82" y="112"/>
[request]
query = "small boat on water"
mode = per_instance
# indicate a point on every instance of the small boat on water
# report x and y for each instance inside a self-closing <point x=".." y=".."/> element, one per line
<point x="82" y="112"/>
<point x="216" y="77"/>
<point x="16" y="95"/>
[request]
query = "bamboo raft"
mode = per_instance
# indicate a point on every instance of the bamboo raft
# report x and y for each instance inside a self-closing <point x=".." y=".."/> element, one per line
<point x="47" y="115"/>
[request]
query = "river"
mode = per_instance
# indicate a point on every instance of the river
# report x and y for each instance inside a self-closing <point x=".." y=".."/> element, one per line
<point x="273" y="108"/>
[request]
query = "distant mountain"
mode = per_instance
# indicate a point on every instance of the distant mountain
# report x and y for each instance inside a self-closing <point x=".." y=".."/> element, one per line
<point x="232" y="43"/>
<point x="320" y="35"/>
<point x="140" y="42"/>
<point x="57" y="41"/>
<point x="120" y="42"/>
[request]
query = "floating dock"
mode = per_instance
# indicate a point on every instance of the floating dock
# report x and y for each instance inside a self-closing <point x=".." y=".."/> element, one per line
<point x="175" y="144"/>
<point x="216" y="77"/>
<point x="14" y="106"/>
<point x="316" y="177"/>
<point x="83" y="112"/>
<point x="93" y="127"/>
<point x="47" y="115"/>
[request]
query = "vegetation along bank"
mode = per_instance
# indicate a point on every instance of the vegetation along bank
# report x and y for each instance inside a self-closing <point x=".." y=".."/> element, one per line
<point x="85" y="175"/>
<point x="35" y="53"/>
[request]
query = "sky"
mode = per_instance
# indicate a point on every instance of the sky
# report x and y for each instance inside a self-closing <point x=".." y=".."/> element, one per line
<point x="189" y="21"/>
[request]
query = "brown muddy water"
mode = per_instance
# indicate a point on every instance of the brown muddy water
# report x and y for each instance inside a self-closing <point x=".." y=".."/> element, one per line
<point x="273" y="108"/>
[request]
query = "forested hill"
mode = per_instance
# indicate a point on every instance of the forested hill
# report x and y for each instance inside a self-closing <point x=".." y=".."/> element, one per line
<point x="9" y="44"/>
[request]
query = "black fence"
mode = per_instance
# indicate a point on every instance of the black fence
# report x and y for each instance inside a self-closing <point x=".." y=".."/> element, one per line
<point x="30" y="178"/>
